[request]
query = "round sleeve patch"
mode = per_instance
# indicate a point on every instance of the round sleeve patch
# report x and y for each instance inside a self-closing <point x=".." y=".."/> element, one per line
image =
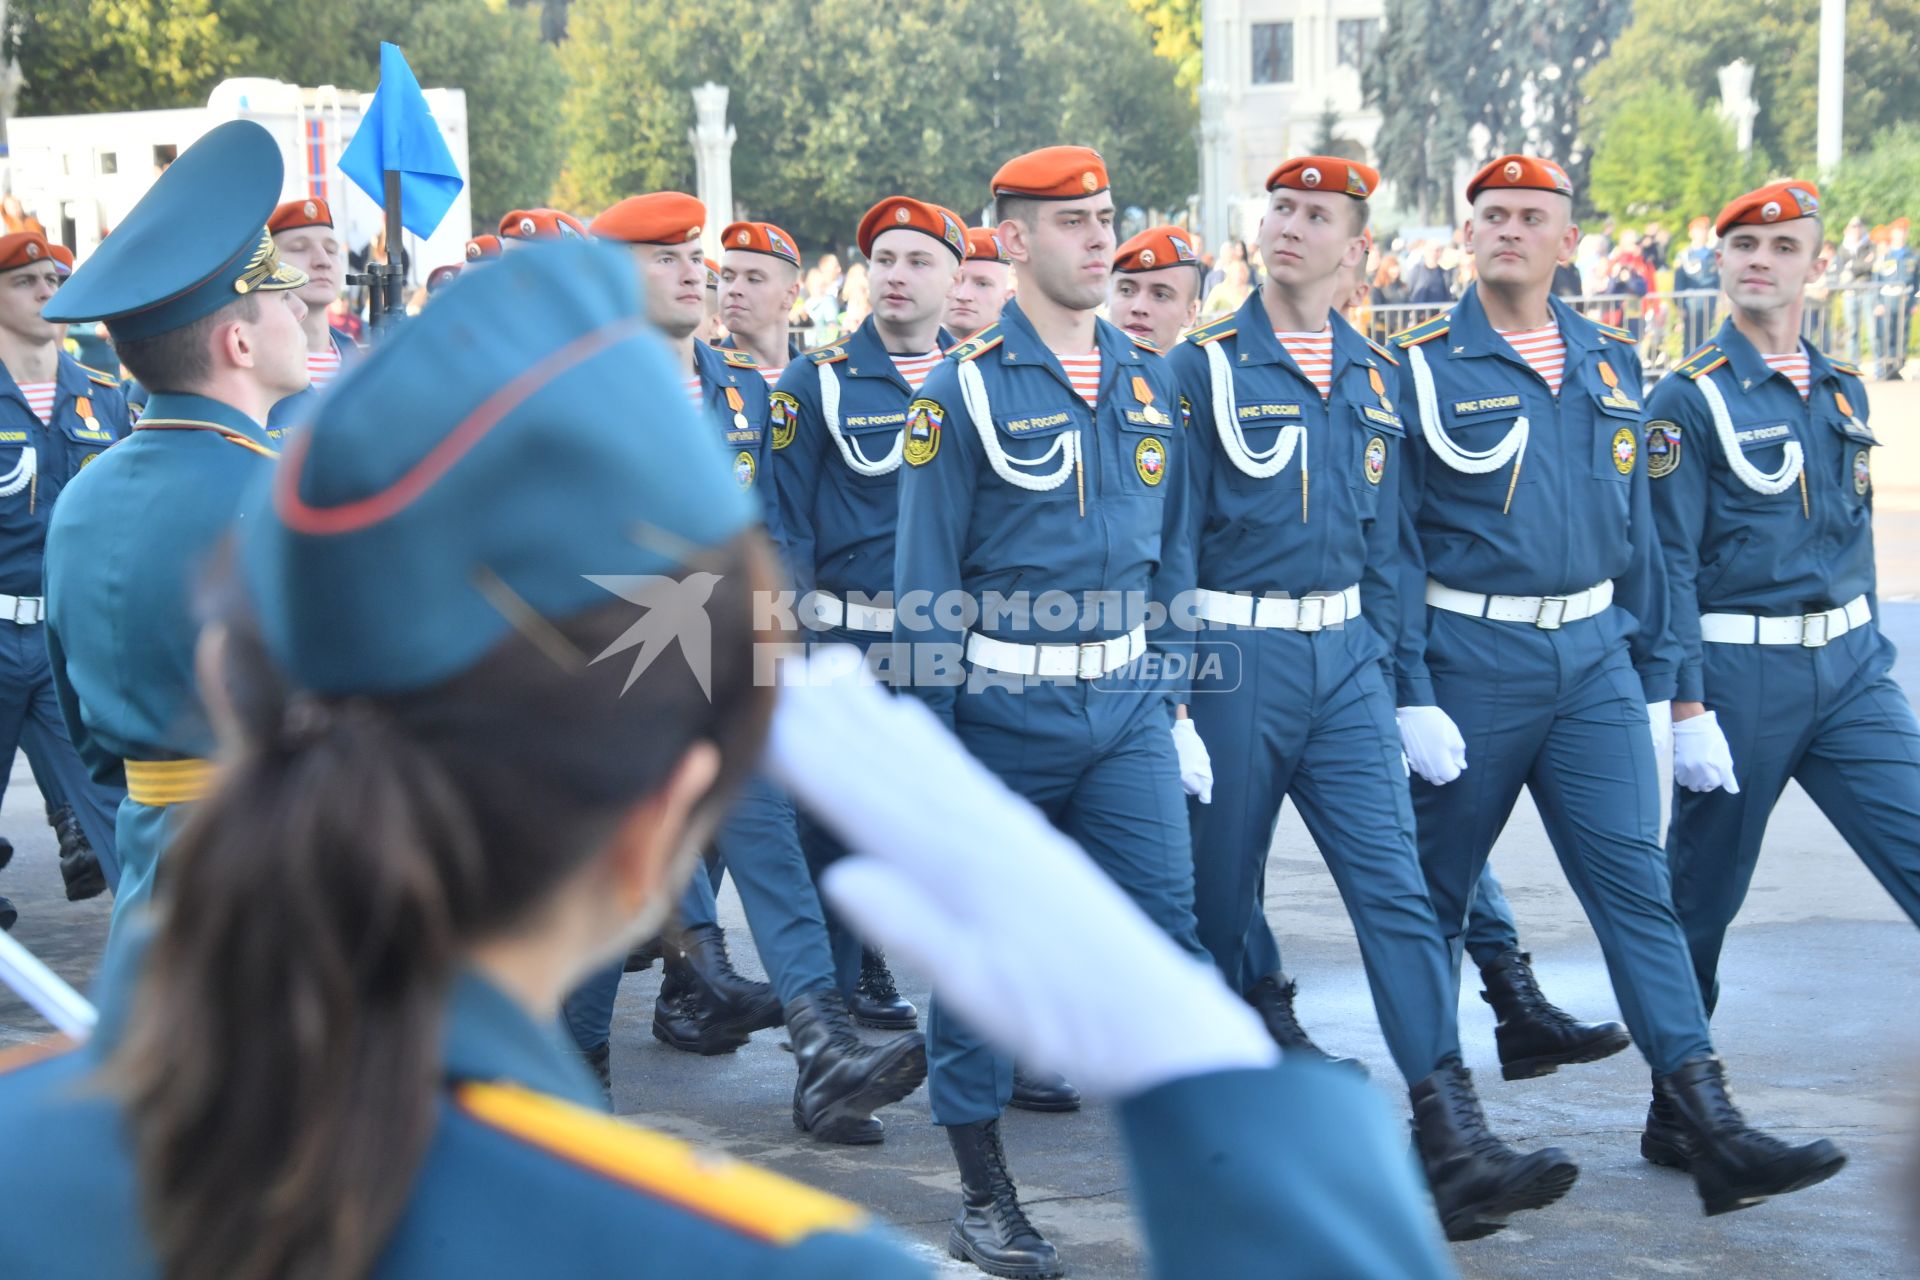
<point x="1625" y="449"/>
<point x="1663" y="448"/>
<point x="924" y="420"/>
<point x="783" y="415"/>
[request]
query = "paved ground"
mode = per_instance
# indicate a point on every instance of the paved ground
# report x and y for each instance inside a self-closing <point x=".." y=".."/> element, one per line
<point x="1822" y="975"/>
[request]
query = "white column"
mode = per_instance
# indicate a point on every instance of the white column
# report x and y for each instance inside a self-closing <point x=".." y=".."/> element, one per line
<point x="1216" y="156"/>
<point x="712" y="138"/>
<point x="1833" y="58"/>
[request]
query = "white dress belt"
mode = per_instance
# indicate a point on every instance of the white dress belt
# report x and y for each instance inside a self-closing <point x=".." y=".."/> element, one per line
<point x="1312" y="612"/>
<point x="1809" y="630"/>
<point x="23" y="611"/>
<point x="831" y="611"/>
<point x="1544" y="612"/>
<point x="1087" y="661"/>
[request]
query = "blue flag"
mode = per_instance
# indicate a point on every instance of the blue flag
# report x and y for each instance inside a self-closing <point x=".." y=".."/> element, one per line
<point x="399" y="132"/>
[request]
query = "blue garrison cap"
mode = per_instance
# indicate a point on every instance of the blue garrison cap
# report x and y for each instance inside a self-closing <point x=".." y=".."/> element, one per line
<point x="525" y="431"/>
<point x="196" y="241"/>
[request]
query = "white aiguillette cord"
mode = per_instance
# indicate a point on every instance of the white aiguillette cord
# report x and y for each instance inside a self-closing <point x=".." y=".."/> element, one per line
<point x="1792" y="460"/>
<point x="850" y="449"/>
<point x="22" y="972"/>
<point x="973" y="390"/>
<point x="1512" y="446"/>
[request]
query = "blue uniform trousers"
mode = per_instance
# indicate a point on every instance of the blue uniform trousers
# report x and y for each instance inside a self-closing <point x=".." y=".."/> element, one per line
<point x="1098" y="759"/>
<point x="1312" y="718"/>
<point x="30" y="720"/>
<point x="1833" y="720"/>
<point x="1563" y="714"/>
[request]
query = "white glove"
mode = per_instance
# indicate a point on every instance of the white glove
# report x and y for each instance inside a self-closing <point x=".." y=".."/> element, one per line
<point x="967" y="882"/>
<point x="1196" y="766"/>
<point x="1702" y="760"/>
<point x="1435" y="750"/>
<point x="1660" y="721"/>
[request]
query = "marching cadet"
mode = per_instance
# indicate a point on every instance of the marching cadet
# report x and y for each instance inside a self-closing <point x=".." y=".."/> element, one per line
<point x="1297" y="578"/>
<point x="56" y="417"/>
<point x="205" y="315"/>
<point x="759" y="278"/>
<point x="439" y="811"/>
<point x="838" y="415"/>
<point x="303" y="233"/>
<point x="1527" y="521"/>
<point x="1155" y="293"/>
<point x="483" y="249"/>
<point x="982" y="285"/>
<point x="1759" y="448"/>
<point x="841" y="1080"/>
<point x="1037" y="458"/>
<point x="522" y="227"/>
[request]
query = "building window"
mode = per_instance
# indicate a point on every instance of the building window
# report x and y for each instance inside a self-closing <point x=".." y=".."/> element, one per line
<point x="1273" y="53"/>
<point x="1356" y="38"/>
<point x="109" y="162"/>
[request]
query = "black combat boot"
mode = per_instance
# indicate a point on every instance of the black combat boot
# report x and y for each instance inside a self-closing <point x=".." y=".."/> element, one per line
<point x="1733" y="1164"/>
<point x="6" y="852"/>
<point x="1535" y="1036"/>
<point x="992" y="1231"/>
<point x="600" y="1062"/>
<point x="1035" y="1090"/>
<point x="876" y="1001"/>
<point x="641" y="958"/>
<point x="79" y="865"/>
<point x="1664" y="1141"/>
<point x="688" y="1016"/>
<point x="1272" y="999"/>
<point x="1478" y="1181"/>
<point x="8" y="914"/>
<point x="843" y="1080"/>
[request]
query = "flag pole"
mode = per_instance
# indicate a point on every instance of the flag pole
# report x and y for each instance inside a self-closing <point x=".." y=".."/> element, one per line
<point x="394" y="303"/>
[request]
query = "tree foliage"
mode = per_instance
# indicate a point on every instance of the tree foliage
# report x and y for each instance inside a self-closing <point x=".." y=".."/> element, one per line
<point x="1176" y="26"/>
<point x="1666" y="159"/>
<point x="117" y="55"/>
<point x="1879" y="183"/>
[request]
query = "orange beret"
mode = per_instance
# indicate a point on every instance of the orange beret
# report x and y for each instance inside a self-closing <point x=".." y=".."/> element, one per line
<point x="660" y="217"/>
<point x="481" y="248"/>
<point x="1154" y="248"/>
<point x="984" y="245"/>
<point x="441" y="275"/>
<point x="24" y="249"/>
<point x="1775" y="202"/>
<point x="713" y="273"/>
<point x="1521" y="173"/>
<point x="897" y="212"/>
<point x="62" y="258"/>
<point x="1326" y="173"/>
<point x="760" y="237"/>
<point x="295" y="214"/>
<point x="1899" y="224"/>
<point x="1052" y="173"/>
<point x="540" y="224"/>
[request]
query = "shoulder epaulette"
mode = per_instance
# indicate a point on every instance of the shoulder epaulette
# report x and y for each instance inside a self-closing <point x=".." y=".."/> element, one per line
<point x="25" y="1055"/>
<point x="1425" y="331"/>
<point x="98" y="377"/>
<point x="978" y="345"/>
<point x="1707" y="357"/>
<point x="1143" y="344"/>
<point x="738" y="359"/>
<point x="1844" y="366"/>
<point x="1224" y="327"/>
<point x="739" y="1197"/>
<point x="1615" y="332"/>
<point x="1383" y="352"/>
<point x="829" y="354"/>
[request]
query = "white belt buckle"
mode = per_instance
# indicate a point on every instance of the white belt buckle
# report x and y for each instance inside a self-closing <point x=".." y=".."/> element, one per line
<point x="1091" y="661"/>
<point x="1552" y="612"/>
<point x="1809" y="632"/>
<point x="1306" y="621"/>
<point x="26" y="611"/>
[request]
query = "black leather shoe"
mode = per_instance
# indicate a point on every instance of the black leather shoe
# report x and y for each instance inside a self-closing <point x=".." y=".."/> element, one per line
<point x="79" y="865"/>
<point x="1478" y="1181"/>
<point x="600" y="1062"/>
<point x="1272" y="999"/>
<point x="876" y="1001"/>
<point x="992" y="1231"/>
<point x="1735" y="1165"/>
<point x="8" y="914"/>
<point x="1035" y="1090"/>
<point x="843" y="1080"/>
<point x="1536" y="1037"/>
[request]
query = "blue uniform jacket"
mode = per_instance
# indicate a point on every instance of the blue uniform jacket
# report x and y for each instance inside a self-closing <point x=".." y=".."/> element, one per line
<point x="1730" y="548"/>
<point x="1579" y="512"/>
<point x="965" y="528"/>
<point x="89" y="413"/>
<point x="839" y="483"/>
<point x="299" y="406"/>
<point x="735" y="396"/>
<point x="1320" y="523"/>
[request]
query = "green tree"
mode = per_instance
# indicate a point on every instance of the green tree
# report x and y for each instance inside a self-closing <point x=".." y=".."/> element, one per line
<point x="117" y="55"/>
<point x="1414" y="77"/>
<point x="1878" y="184"/>
<point x="1666" y="159"/>
<point x="1176" y="30"/>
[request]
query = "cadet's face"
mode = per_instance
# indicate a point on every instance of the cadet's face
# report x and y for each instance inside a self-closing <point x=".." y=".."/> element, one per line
<point x="316" y="251"/>
<point x="979" y="291"/>
<point x="1306" y="236"/>
<point x="1068" y="251"/>
<point x="756" y="291"/>
<point x="23" y="292"/>
<point x="278" y="343"/>
<point x="1519" y="237"/>
<point x="1767" y="267"/>
<point x="676" y="279"/>
<point x="908" y="276"/>
<point x="1155" y="305"/>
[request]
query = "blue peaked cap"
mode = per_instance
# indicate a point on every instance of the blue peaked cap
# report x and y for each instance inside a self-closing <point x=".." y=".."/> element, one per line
<point x="526" y="430"/>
